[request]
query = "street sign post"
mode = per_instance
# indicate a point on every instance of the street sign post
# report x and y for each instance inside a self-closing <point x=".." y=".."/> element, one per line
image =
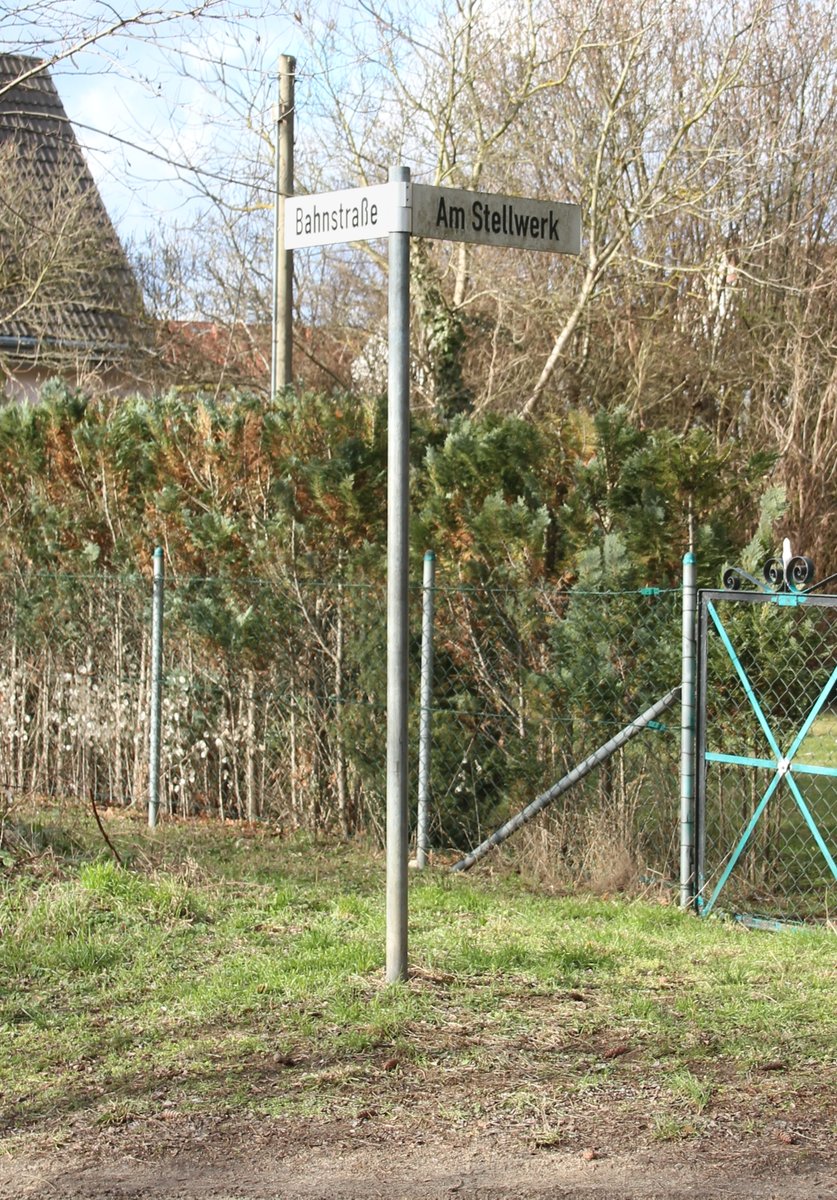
<point x="397" y="210"/>
<point x="398" y="550"/>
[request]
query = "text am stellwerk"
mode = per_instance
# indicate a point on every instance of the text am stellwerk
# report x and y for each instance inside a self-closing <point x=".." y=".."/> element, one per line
<point x="505" y="219"/>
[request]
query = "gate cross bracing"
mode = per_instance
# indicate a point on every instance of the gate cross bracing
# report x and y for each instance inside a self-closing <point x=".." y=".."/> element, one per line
<point x="766" y="812"/>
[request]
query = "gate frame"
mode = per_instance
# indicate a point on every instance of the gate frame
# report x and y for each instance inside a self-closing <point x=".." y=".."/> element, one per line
<point x="792" y="598"/>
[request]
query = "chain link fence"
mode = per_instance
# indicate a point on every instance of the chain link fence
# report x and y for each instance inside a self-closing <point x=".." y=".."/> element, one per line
<point x="273" y="707"/>
<point x="527" y="683"/>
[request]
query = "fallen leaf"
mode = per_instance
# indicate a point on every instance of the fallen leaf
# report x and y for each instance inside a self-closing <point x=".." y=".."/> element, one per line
<point x="616" y="1051"/>
<point x="589" y="1155"/>
<point x="390" y="1064"/>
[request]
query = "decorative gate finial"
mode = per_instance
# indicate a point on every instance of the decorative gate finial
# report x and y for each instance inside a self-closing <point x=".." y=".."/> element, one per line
<point x="790" y="573"/>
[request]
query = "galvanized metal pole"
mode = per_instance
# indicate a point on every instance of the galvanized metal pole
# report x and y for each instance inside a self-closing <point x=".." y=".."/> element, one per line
<point x="281" y="359"/>
<point x="687" y="731"/>
<point x="426" y="715"/>
<point x="398" y="467"/>
<point x="155" y="714"/>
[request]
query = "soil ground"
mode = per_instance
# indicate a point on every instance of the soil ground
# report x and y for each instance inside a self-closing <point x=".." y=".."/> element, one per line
<point x="599" y="1154"/>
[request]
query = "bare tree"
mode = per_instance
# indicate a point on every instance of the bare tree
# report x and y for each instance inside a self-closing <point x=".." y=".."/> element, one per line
<point x="608" y="104"/>
<point x="52" y="31"/>
<point x="698" y="139"/>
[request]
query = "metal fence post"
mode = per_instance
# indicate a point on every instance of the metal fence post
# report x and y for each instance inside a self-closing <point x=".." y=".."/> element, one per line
<point x="155" y="714"/>
<point x="687" y="732"/>
<point x="426" y="701"/>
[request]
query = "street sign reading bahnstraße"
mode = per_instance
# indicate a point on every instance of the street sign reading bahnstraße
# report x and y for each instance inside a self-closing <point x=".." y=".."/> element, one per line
<point x="351" y="215"/>
<point x="492" y="220"/>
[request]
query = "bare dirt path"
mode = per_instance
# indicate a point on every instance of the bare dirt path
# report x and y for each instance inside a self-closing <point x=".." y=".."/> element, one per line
<point x="230" y="1159"/>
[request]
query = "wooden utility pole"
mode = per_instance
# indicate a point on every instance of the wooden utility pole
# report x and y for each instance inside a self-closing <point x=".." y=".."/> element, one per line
<point x="281" y="361"/>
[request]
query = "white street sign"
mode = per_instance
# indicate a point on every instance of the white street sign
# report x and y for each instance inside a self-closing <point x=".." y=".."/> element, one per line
<point x="461" y="216"/>
<point x="351" y="215"/>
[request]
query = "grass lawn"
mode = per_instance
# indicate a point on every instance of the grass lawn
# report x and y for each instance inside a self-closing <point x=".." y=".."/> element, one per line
<point x="228" y="970"/>
<point x="820" y="743"/>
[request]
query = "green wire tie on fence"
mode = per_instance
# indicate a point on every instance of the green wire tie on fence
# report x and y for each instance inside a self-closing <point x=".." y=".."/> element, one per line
<point x="650" y="591"/>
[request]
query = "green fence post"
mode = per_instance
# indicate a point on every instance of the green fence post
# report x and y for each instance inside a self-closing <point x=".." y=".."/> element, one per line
<point x="687" y="731"/>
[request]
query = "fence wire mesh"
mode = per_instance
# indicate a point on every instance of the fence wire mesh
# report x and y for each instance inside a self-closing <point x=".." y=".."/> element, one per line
<point x="526" y="685"/>
<point x="769" y="776"/>
<point x="274" y="707"/>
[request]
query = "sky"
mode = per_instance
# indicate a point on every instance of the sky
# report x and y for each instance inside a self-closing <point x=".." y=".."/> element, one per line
<point x="150" y="107"/>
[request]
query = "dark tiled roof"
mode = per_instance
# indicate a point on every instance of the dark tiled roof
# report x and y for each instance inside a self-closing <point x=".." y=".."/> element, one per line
<point x="54" y="228"/>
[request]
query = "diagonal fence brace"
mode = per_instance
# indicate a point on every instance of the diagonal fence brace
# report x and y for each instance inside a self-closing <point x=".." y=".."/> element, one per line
<point x="563" y="785"/>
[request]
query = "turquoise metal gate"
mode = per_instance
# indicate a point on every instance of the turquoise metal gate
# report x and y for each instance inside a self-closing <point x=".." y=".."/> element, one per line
<point x="766" y="811"/>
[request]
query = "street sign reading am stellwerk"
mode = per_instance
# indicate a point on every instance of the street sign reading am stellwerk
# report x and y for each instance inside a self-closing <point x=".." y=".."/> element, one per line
<point x="461" y="216"/>
<point x="452" y="214"/>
